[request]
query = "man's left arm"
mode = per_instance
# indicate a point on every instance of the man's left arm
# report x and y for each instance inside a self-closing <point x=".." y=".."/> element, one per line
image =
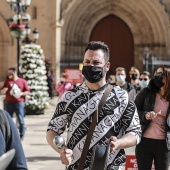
<point x="130" y="127"/>
<point x="25" y="93"/>
<point x="126" y="141"/>
<point x="4" y="88"/>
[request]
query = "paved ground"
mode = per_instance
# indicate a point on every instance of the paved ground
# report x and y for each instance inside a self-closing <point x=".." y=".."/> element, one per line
<point x="39" y="154"/>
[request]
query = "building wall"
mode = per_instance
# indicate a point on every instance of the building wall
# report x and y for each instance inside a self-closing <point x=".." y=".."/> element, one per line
<point x="65" y="27"/>
<point x="43" y="16"/>
<point x="147" y="20"/>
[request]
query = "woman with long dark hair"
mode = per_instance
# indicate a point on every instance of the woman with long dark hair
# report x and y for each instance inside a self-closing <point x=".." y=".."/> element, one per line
<point x="154" y="112"/>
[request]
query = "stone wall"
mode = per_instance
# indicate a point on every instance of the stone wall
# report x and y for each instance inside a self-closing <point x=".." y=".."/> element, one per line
<point x="65" y="27"/>
<point x="43" y="14"/>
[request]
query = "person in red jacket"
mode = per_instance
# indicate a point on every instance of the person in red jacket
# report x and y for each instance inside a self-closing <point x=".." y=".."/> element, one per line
<point x="16" y="89"/>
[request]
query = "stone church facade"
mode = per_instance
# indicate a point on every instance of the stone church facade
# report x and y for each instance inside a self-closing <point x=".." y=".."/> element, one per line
<point x="66" y="26"/>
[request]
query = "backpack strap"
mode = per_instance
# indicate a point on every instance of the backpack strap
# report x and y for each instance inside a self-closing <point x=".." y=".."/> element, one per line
<point x="5" y="126"/>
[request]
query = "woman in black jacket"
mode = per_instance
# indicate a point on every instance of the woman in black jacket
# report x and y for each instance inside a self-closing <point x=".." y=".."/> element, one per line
<point x="154" y="112"/>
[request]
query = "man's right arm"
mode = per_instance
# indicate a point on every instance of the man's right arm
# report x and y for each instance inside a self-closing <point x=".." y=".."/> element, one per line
<point x="4" y="90"/>
<point x="50" y="136"/>
<point x="65" y="153"/>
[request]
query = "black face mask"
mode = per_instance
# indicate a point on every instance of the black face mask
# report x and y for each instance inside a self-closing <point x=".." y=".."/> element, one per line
<point x="93" y="74"/>
<point x="158" y="80"/>
<point x="134" y="76"/>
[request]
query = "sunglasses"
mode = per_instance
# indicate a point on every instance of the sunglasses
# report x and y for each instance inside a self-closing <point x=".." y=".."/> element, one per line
<point x="159" y="74"/>
<point x="145" y="79"/>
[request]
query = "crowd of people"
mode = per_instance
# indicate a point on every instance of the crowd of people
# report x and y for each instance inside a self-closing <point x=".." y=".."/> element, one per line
<point x="135" y="113"/>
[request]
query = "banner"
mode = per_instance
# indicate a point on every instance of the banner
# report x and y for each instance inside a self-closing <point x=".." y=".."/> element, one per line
<point x="131" y="163"/>
<point x="73" y="76"/>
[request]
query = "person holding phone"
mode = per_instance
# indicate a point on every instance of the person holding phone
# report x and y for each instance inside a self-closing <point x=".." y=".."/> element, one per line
<point x="154" y="112"/>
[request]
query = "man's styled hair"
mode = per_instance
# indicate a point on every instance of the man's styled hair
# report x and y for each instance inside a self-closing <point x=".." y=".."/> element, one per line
<point x="146" y="73"/>
<point x="121" y="69"/>
<point x="96" y="45"/>
<point x="134" y="69"/>
<point x="13" y="69"/>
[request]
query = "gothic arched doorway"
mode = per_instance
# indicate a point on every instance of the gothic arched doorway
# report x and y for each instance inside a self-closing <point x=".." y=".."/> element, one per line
<point x="117" y="35"/>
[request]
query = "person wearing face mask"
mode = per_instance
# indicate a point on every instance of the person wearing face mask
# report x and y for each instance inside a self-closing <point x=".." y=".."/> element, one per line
<point x="63" y="86"/>
<point x="134" y="76"/>
<point x="154" y="112"/>
<point x="111" y="79"/>
<point x="121" y="79"/>
<point x="143" y="82"/>
<point x="77" y="107"/>
<point x="15" y="89"/>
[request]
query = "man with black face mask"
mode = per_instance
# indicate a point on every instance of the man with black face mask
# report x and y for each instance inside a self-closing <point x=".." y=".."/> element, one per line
<point x="134" y="77"/>
<point x="118" y="120"/>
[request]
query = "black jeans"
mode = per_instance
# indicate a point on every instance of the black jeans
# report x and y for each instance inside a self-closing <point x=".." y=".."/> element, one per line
<point x="152" y="149"/>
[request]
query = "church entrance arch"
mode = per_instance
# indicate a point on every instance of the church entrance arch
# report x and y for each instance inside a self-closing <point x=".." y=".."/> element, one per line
<point x="117" y="35"/>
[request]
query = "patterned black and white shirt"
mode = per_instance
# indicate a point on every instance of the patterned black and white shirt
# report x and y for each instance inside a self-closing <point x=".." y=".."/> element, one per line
<point x="75" y="111"/>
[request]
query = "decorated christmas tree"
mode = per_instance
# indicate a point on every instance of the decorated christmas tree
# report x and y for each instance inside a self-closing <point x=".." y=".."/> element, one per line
<point x="34" y="71"/>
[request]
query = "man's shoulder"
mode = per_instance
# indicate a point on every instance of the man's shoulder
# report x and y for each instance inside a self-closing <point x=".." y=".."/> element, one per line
<point x="119" y="92"/>
<point x="21" y="79"/>
<point x="118" y="89"/>
<point x="75" y="92"/>
<point x="8" y="80"/>
<point x="132" y="91"/>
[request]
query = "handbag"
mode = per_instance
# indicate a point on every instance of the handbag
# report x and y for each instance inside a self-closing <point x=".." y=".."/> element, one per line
<point x="100" y="156"/>
<point x="98" y="152"/>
